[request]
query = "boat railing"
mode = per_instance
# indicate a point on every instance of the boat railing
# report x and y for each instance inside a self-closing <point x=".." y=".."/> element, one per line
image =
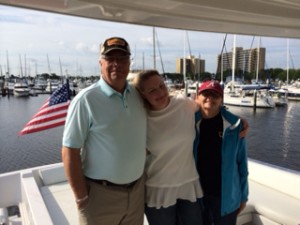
<point x="33" y="205"/>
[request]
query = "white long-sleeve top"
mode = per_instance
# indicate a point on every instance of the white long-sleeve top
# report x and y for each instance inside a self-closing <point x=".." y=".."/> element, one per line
<point x="170" y="167"/>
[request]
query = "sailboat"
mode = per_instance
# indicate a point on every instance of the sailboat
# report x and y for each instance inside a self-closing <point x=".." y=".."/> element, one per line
<point x="293" y="89"/>
<point x="280" y="94"/>
<point x="253" y="95"/>
<point x="21" y="88"/>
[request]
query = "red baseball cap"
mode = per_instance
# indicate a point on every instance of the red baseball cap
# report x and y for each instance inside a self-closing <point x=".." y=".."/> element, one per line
<point x="211" y="85"/>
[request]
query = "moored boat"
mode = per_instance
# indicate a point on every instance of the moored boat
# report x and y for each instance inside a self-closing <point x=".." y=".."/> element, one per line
<point x="52" y="85"/>
<point x="294" y="93"/>
<point x="280" y="96"/>
<point x="247" y="95"/>
<point x="21" y="89"/>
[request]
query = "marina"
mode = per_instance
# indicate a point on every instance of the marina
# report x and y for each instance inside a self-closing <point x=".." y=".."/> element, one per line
<point x="273" y="136"/>
<point x="31" y="165"/>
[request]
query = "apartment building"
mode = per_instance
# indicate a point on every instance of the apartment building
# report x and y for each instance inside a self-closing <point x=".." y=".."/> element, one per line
<point x="193" y="65"/>
<point x="247" y="60"/>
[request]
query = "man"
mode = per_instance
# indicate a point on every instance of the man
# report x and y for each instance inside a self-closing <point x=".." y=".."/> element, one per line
<point x="104" y="144"/>
<point x="221" y="157"/>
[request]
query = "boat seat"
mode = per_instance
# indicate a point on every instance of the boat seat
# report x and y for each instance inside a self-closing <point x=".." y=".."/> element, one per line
<point x="272" y="199"/>
<point x="268" y="206"/>
<point x="60" y="202"/>
<point x="276" y="206"/>
<point x="52" y="175"/>
<point x="58" y="196"/>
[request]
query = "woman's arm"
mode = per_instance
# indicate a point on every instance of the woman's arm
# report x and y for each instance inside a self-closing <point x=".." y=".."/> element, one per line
<point x="245" y="129"/>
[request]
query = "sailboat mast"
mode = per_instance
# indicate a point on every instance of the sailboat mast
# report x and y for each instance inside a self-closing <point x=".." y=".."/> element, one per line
<point x="143" y="61"/>
<point x="233" y="57"/>
<point x="199" y="67"/>
<point x="154" y="54"/>
<point x="287" y="61"/>
<point x="222" y="59"/>
<point x="60" y="66"/>
<point x="7" y="64"/>
<point x="25" y="66"/>
<point x="36" y="70"/>
<point x="21" y="68"/>
<point x="184" y="65"/>
<point x="257" y="70"/>
<point x="159" y="52"/>
<point x="49" y="68"/>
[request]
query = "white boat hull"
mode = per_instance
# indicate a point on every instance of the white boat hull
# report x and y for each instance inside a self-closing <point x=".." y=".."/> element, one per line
<point x="261" y="102"/>
<point x="21" y="92"/>
<point x="294" y="96"/>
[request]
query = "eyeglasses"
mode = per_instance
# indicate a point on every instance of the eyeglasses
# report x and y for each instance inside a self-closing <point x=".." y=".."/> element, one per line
<point x="212" y="94"/>
<point x="119" y="58"/>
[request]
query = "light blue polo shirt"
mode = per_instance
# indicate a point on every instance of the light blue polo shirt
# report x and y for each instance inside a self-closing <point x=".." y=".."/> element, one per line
<point x="111" y="130"/>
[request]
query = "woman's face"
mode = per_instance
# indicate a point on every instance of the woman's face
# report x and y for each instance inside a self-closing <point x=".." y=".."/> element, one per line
<point x="155" y="92"/>
<point x="210" y="103"/>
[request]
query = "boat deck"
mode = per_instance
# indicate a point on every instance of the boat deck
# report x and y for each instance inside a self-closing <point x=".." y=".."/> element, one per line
<point x="46" y="198"/>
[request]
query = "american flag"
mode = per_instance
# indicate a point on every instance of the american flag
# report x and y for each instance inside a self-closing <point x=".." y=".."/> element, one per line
<point x="52" y="114"/>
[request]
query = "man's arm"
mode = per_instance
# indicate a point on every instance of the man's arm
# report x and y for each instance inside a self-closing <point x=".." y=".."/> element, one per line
<point x="73" y="168"/>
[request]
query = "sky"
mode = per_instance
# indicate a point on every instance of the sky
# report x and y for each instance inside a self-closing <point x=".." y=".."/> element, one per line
<point x="39" y="42"/>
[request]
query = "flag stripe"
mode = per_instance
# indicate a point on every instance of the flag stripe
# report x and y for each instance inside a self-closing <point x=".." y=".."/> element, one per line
<point x="46" y="118"/>
<point x="46" y="124"/>
<point x="41" y="128"/>
<point x="41" y="118"/>
<point x="52" y="114"/>
<point x="52" y="109"/>
<point x="37" y="118"/>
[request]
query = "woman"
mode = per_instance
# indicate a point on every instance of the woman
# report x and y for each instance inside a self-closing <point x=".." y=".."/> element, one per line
<point x="172" y="185"/>
<point x="221" y="157"/>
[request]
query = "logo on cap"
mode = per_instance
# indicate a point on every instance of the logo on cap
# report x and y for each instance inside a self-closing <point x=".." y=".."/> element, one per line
<point x="114" y="43"/>
<point x="211" y="85"/>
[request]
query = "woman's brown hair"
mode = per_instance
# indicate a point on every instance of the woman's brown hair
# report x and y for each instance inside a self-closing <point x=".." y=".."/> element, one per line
<point x="139" y="80"/>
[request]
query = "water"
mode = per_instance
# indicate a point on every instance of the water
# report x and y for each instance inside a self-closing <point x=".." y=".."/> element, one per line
<point x="19" y="152"/>
<point x="273" y="136"/>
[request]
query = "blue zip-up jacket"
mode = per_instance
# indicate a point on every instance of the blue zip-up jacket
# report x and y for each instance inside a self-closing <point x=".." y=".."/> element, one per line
<point x="234" y="162"/>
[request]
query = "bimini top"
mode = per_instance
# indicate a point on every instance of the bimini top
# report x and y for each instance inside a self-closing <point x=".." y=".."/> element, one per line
<point x="277" y="18"/>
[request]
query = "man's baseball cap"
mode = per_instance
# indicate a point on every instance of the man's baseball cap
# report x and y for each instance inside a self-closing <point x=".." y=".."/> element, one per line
<point x="211" y="85"/>
<point x="114" y="43"/>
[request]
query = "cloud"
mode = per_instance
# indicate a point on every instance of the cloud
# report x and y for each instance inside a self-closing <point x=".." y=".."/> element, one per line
<point x="76" y="41"/>
<point x="81" y="46"/>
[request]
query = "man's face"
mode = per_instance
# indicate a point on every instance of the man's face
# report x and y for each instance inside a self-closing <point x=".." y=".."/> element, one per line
<point x="115" y="67"/>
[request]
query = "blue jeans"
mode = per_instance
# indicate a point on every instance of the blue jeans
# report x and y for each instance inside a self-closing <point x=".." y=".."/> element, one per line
<point x="212" y="212"/>
<point x="183" y="212"/>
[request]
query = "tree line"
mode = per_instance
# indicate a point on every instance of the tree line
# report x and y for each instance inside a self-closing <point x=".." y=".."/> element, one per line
<point x="272" y="74"/>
